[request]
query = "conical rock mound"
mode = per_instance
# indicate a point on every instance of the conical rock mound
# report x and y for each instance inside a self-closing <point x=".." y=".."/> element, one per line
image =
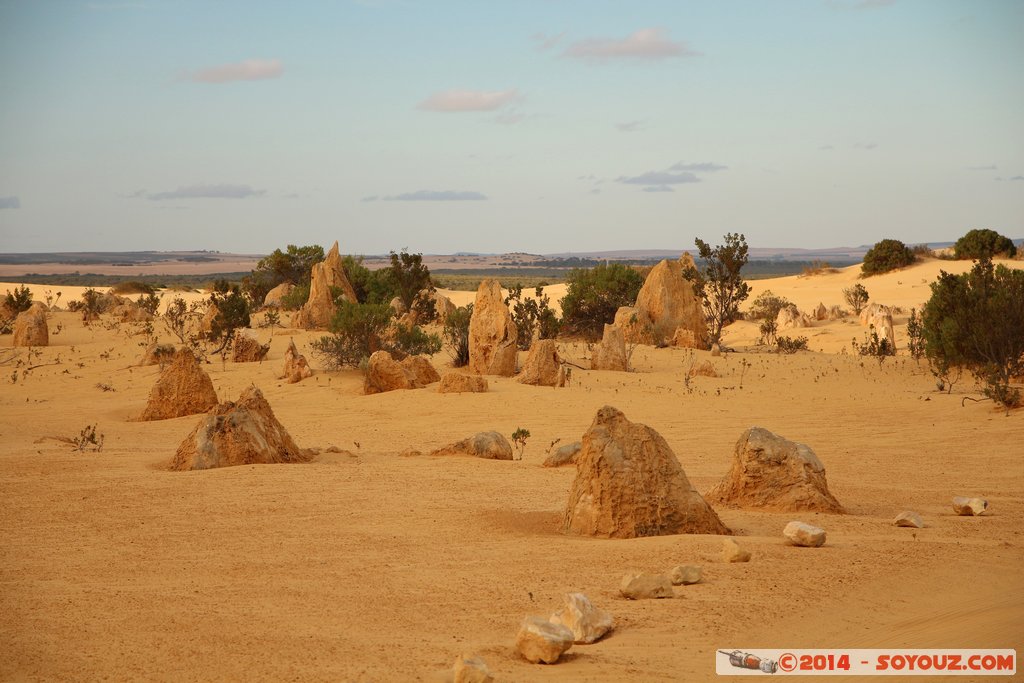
<point x="183" y="388"/>
<point x="320" y="308"/>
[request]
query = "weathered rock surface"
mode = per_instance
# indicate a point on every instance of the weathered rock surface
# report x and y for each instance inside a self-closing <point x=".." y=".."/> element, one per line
<point x="774" y="473"/>
<point x="638" y="586"/>
<point x="274" y="296"/>
<point x="703" y="369"/>
<point x="667" y="309"/>
<point x="968" y="507"/>
<point x="732" y="552"/>
<point x="804" y="535"/>
<point x="565" y="455"/>
<point x="422" y="371"/>
<point x="587" y="623"/>
<point x="539" y="640"/>
<point x="685" y="575"/>
<point x="241" y="433"/>
<point x="635" y="325"/>
<point x="492" y="335"/>
<point x="296" y="368"/>
<point x="471" y="669"/>
<point x="629" y="484"/>
<point x="716" y="350"/>
<point x="821" y="313"/>
<point x="320" y="308"/>
<point x="909" y="518"/>
<point x="157" y="354"/>
<point x="30" y="328"/>
<point x="384" y="373"/>
<point x="488" y="445"/>
<point x="610" y="354"/>
<point x="183" y="388"/>
<point x="130" y="312"/>
<point x="456" y="383"/>
<point x="246" y="348"/>
<point x="443" y="306"/>
<point x="790" y="317"/>
<point x="543" y="366"/>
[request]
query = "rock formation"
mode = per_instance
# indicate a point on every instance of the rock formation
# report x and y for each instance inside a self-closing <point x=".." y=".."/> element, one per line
<point x="384" y="373"/>
<point x="685" y="575"/>
<point x="667" y="308"/>
<point x="241" y="433"/>
<point x="487" y="445"/>
<point x="637" y="586"/>
<point x="246" y="348"/>
<point x="790" y="317"/>
<point x="543" y="367"/>
<point x="629" y="484"/>
<point x="539" y="640"/>
<point x="969" y="507"/>
<point x="453" y="382"/>
<point x="296" y="368"/>
<point x="732" y="552"/>
<point x="183" y="388"/>
<point x="274" y="297"/>
<point x="587" y="623"/>
<point x="804" y="535"/>
<point x="774" y="473"/>
<point x="471" y="669"/>
<point x="320" y="308"/>
<point x="909" y="518"/>
<point x="610" y="354"/>
<point x="30" y="328"/>
<point x="566" y="455"/>
<point x="157" y="354"/>
<point x="492" y="335"/>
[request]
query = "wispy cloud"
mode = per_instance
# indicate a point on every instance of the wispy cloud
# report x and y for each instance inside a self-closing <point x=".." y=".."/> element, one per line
<point x="659" y="178"/>
<point x="658" y="188"/>
<point x="546" y="42"/>
<point x="10" y="203"/>
<point x="647" y="43"/>
<point x="435" y="196"/>
<point x="866" y="145"/>
<point x="247" y="70"/>
<point x="1017" y="177"/>
<point x="990" y="167"/>
<point x="469" y="100"/>
<point x="703" y="167"/>
<point x="222" y="191"/>
<point x="826" y="147"/>
<point x="630" y="126"/>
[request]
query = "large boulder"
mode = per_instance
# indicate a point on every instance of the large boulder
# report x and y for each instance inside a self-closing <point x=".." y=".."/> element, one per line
<point x="543" y="367"/>
<point x="157" y="354"/>
<point x="384" y="373"/>
<point x="566" y="455"/>
<point x="790" y="317"/>
<point x="130" y="312"/>
<point x="487" y="445"/>
<point x="610" y="354"/>
<point x="241" y="433"/>
<point x="30" y="328"/>
<point x="296" y="368"/>
<point x="669" y="302"/>
<point x="492" y="335"/>
<point x="319" y="307"/>
<point x="587" y="622"/>
<point x="629" y="484"/>
<point x="774" y="473"/>
<point x="539" y="640"/>
<point x="275" y="296"/>
<point x="246" y="348"/>
<point x="453" y="382"/>
<point x="183" y="388"/>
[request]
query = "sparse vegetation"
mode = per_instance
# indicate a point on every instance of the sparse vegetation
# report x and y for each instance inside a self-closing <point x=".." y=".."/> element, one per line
<point x="292" y="265"/>
<point x="358" y="330"/>
<point x="915" y="336"/>
<point x="87" y="440"/>
<point x="19" y="300"/>
<point x="856" y="297"/>
<point x="411" y="283"/>
<point x="791" y="344"/>
<point x="595" y="294"/>
<point x="132" y="287"/>
<point x="878" y="347"/>
<point x="519" y="438"/>
<point x="983" y="243"/>
<point x="232" y="314"/>
<point x="532" y="315"/>
<point x="456" y="334"/>
<point x="718" y="282"/>
<point x="886" y="255"/>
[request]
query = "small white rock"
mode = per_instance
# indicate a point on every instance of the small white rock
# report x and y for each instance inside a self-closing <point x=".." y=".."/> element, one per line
<point x="685" y="575"/>
<point x="969" y="507"/>
<point x="732" y="552"/>
<point x="587" y="623"/>
<point x="636" y="586"/>
<point x="541" y="641"/>
<point x="471" y="669"/>
<point x="804" y="535"/>
<point x="909" y="518"/>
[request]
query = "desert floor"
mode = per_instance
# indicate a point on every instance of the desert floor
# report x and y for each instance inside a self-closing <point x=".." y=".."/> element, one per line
<point x="366" y="565"/>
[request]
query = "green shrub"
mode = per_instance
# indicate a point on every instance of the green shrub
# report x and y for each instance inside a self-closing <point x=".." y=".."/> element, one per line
<point x="295" y="299"/>
<point x="718" y="282"/>
<point x="232" y="313"/>
<point x="532" y="315"/>
<point x="18" y="301"/>
<point x="456" y="334"/>
<point x="856" y="298"/>
<point x="359" y="330"/>
<point x="132" y="287"/>
<point x="791" y="344"/>
<point x="413" y="341"/>
<point x="594" y="295"/>
<point x="766" y="306"/>
<point x="974" y="321"/>
<point x="983" y="243"/>
<point x="886" y="255"/>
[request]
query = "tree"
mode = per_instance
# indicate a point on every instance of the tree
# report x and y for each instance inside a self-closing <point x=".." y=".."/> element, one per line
<point x="976" y="321"/>
<point x="293" y="265"/>
<point x="719" y="283"/>
<point x="885" y="256"/>
<point x="232" y="313"/>
<point x="412" y="284"/>
<point x="856" y="297"/>
<point x="594" y="295"/>
<point x="982" y="243"/>
<point x="532" y="314"/>
<point x="456" y="333"/>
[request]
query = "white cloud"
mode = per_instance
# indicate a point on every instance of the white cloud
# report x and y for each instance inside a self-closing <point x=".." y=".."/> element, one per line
<point x="435" y="196"/>
<point x="658" y="188"/>
<point x="469" y="100"/>
<point x="247" y="70"/>
<point x="10" y="203"/>
<point x="647" y="43"/>
<point x="658" y="178"/>
<point x="222" y="191"/>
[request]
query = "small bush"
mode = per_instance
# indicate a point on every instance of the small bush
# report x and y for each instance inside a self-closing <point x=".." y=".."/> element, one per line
<point x="295" y="299"/>
<point x="18" y="301"/>
<point x="232" y="313"/>
<point x="456" y="334"/>
<point x="357" y="331"/>
<point x="922" y="251"/>
<point x="873" y="345"/>
<point x="886" y="255"/>
<point x="413" y="341"/>
<point x="856" y="297"/>
<point x="766" y="306"/>
<point x="595" y="294"/>
<point x="818" y="268"/>
<point x="718" y="281"/>
<point x="983" y="243"/>
<point x="132" y="287"/>
<point x="791" y="344"/>
<point x="532" y="315"/>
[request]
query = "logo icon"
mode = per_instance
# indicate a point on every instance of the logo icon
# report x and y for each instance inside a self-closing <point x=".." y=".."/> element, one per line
<point x="743" y="660"/>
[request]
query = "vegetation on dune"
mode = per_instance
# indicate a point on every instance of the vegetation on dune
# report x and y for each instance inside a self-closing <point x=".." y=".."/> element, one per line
<point x="718" y="283"/>
<point x="532" y="316"/>
<point x="595" y="294"/>
<point x="359" y="330"/>
<point x="856" y="297"/>
<point x="983" y="243"/>
<point x="889" y="254"/>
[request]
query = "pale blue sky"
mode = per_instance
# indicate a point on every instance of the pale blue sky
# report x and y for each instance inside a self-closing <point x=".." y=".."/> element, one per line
<point x="541" y="126"/>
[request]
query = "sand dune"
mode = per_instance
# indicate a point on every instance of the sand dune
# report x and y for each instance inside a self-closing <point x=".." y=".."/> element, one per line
<point x="364" y="565"/>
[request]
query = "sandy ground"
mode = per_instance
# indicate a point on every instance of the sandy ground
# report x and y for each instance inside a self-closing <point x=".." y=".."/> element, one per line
<point x="369" y="566"/>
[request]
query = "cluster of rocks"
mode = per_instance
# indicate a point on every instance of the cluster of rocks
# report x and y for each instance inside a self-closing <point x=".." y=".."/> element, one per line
<point x="577" y="622"/>
<point x="384" y="373"/>
<point x="644" y="586"/>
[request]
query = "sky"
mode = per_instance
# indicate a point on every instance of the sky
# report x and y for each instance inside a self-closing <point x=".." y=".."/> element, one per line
<point x="536" y="125"/>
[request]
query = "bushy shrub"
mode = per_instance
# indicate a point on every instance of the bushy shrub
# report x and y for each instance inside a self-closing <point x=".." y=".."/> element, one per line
<point x="132" y="287"/>
<point x="456" y="334"/>
<point x="232" y="313"/>
<point x="359" y="330"/>
<point x="884" y="256"/>
<point x="983" y="243"/>
<point x="974" y="321"/>
<point x="412" y="284"/>
<point x="766" y="306"/>
<point x="594" y="295"/>
<point x="412" y="340"/>
<point x="19" y="300"/>
<point x="292" y="265"/>
<point x="856" y="297"/>
<point x="532" y="315"/>
<point x="295" y="299"/>
<point x="791" y="344"/>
